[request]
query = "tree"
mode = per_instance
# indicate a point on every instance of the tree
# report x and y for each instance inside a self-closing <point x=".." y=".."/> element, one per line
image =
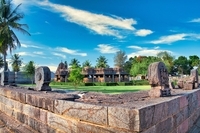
<point x="102" y="62"/>
<point x="120" y="58"/>
<point x="74" y="63"/>
<point x="182" y="65"/>
<point x="141" y="64"/>
<point x="1" y="62"/>
<point x="16" y="62"/>
<point x="128" y="64"/>
<point x="194" y="61"/>
<point x="87" y="64"/>
<point x="75" y="75"/>
<point x="29" y="70"/>
<point x="167" y="59"/>
<point x="9" y="19"/>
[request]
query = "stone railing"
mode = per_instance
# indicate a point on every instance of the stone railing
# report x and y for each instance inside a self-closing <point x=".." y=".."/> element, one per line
<point x="51" y="112"/>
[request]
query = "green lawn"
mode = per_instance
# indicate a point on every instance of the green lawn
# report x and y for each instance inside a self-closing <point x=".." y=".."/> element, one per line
<point x="103" y="89"/>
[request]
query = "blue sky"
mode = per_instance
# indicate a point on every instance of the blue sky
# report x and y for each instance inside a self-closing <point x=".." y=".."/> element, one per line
<point x="85" y="29"/>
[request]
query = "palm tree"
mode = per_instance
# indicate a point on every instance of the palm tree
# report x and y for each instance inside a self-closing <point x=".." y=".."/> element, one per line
<point x="87" y="64"/>
<point x="102" y="62"/>
<point x="74" y="63"/>
<point x="16" y="62"/>
<point x="9" y="19"/>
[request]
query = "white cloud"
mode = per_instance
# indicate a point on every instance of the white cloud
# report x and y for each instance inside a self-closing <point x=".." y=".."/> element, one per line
<point x="38" y="52"/>
<point x="98" y="23"/>
<point x="143" y="32"/>
<point x="69" y="51"/>
<point x="157" y="47"/>
<point x="135" y="47"/>
<point x="59" y="55"/>
<point x="196" y="20"/>
<point x="170" y="39"/>
<point x="106" y="49"/>
<point x="30" y="46"/>
<point x="26" y="54"/>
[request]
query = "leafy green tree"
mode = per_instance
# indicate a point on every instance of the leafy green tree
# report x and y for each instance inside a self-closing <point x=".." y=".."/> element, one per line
<point x="120" y="58"/>
<point x="75" y="75"/>
<point x="141" y="64"/>
<point x="9" y="19"/>
<point x="194" y="61"/>
<point x="182" y="65"/>
<point x="102" y="62"/>
<point x="74" y="63"/>
<point x="29" y="70"/>
<point x="16" y="62"/>
<point x="1" y="62"/>
<point x="128" y="64"/>
<point x="87" y="64"/>
<point x="167" y="59"/>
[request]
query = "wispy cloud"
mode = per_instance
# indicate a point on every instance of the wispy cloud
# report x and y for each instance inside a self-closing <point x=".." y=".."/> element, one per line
<point x="98" y="23"/>
<point x="135" y="47"/>
<point x="196" y="20"/>
<point x="143" y="32"/>
<point x="36" y="33"/>
<point x="38" y="52"/>
<point x="59" y="55"/>
<point x="170" y="39"/>
<point x="143" y="51"/>
<point x="26" y="54"/>
<point x="69" y="51"/>
<point x="30" y="46"/>
<point x="106" y="49"/>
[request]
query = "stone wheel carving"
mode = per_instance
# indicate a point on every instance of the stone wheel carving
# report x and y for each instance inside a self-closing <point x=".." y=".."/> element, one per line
<point x="42" y="78"/>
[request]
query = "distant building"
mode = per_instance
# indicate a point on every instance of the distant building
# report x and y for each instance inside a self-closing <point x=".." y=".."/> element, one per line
<point x="93" y="74"/>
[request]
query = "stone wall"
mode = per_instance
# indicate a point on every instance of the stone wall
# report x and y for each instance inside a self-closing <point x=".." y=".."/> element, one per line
<point x="50" y="112"/>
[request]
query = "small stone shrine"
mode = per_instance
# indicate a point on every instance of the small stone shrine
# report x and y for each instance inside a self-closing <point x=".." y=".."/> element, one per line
<point x="159" y="80"/>
<point x="62" y="73"/>
<point x="42" y="78"/>
<point x="189" y="82"/>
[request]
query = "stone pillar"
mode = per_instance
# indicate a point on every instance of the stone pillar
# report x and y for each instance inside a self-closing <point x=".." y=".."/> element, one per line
<point x="119" y="77"/>
<point x="42" y="78"/>
<point x="113" y="78"/>
<point x="4" y="78"/>
<point x="159" y="80"/>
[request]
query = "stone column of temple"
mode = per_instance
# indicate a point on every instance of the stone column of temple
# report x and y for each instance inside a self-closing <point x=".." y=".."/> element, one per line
<point x="119" y="77"/>
<point x="113" y="79"/>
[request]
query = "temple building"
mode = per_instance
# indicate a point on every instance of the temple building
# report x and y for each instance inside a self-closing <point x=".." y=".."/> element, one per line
<point x="105" y="75"/>
<point x="62" y="73"/>
<point x="93" y="74"/>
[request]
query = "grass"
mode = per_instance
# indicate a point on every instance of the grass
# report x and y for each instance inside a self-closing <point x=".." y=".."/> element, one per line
<point x="103" y="89"/>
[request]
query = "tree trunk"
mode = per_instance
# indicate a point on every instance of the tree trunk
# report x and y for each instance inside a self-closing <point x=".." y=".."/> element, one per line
<point x="4" y="60"/>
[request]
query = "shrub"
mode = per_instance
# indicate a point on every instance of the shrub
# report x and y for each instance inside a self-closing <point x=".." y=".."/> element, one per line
<point x="140" y="82"/>
<point x="89" y="84"/>
<point x="111" y="84"/>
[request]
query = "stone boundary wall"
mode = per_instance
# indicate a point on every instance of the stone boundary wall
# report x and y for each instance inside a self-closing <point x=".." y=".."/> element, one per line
<point x="50" y="112"/>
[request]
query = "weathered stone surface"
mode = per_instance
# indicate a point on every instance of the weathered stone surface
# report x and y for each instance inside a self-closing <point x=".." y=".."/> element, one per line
<point x="64" y="125"/>
<point x="42" y="78"/>
<point x="84" y="112"/>
<point x="123" y="118"/>
<point x="183" y="101"/>
<point x="159" y="80"/>
<point x="165" y="126"/>
<point x="183" y="127"/>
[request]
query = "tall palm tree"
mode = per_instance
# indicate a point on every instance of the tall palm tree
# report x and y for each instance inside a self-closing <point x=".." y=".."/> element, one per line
<point x="102" y="62"/>
<point x="9" y="19"/>
<point x="87" y="64"/>
<point x="74" y="63"/>
<point x="16" y="62"/>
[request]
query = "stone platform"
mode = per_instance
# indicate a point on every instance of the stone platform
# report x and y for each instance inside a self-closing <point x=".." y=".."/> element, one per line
<point x="52" y="112"/>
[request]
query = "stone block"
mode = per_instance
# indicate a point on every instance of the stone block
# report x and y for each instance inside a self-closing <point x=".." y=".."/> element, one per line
<point x="83" y="127"/>
<point x="164" y="126"/>
<point x="84" y="112"/>
<point x="183" y="101"/>
<point x="63" y="124"/>
<point x="173" y="106"/>
<point x="180" y="116"/>
<point x="150" y="130"/>
<point x="183" y="127"/>
<point x="31" y="111"/>
<point x="123" y="118"/>
<point x="160" y="112"/>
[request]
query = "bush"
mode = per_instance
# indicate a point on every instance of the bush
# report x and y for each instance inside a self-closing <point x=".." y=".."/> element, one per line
<point x="111" y="84"/>
<point x="100" y="83"/>
<point x="140" y="82"/>
<point x="89" y="84"/>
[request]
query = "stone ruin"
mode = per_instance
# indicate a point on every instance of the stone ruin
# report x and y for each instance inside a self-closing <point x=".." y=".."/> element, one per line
<point x="159" y="80"/>
<point x="42" y="78"/>
<point x="189" y="82"/>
